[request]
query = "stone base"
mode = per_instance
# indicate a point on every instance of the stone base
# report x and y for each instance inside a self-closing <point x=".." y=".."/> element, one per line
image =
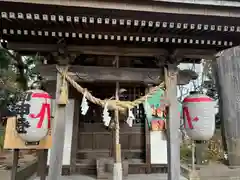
<point x="193" y="175"/>
<point x="105" y="168"/>
<point x="117" y="171"/>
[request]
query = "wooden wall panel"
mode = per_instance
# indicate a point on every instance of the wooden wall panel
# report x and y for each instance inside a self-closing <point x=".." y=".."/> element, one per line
<point x="124" y="141"/>
<point x="85" y="141"/>
<point x="102" y="141"/>
<point x="137" y="141"/>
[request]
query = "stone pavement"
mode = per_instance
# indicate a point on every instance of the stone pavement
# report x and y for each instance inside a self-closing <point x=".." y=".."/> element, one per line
<point x="4" y="175"/>
<point x="6" y="162"/>
<point x="130" y="177"/>
<point x="216" y="171"/>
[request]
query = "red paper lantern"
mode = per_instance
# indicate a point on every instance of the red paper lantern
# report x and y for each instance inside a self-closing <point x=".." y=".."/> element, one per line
<point x="33" y="115"/>
<point x="199" y="116"/>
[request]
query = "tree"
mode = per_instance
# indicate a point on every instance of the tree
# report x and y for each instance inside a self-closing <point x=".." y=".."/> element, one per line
<point x="210" y="83"/>
<point x="17" y="73"/>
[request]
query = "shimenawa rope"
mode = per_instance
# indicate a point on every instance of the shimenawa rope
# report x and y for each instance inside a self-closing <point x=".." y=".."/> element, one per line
<point x="112" y="104"/>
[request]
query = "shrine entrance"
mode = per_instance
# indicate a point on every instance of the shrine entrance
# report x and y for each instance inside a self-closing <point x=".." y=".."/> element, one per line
<point x="148" y="40"/>
<point x="96" y="140"/>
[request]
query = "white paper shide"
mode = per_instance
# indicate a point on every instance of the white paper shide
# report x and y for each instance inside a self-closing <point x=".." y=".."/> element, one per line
<point x="84" y="104"/>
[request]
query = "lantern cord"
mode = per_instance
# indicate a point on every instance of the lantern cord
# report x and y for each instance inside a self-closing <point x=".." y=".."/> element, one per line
<point x="112" y="104"/>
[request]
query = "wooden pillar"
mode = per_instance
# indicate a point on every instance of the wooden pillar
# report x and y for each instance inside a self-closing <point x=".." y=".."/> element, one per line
<point x="75" y="136"/>
<point x="228" y="74"/>
<point x="58" y="135"/>
<point x="147" y="143"/>
<point x="117" y="168"/>
<point x="147" y="148"/>
<point x="173" y="124"/>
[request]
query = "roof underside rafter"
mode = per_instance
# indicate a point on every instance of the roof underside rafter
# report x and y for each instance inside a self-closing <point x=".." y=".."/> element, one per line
<point x="42" y="24"/>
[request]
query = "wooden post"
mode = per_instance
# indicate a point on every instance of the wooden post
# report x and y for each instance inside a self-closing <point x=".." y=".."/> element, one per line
<point x="75" y="135"/>
<point x="147" y="141"/>
<point x="15" y="164"/>
<point x="56" y="155"/>
<point x="42" y="163"/>
<point x="173" y="124"/>
<point x="117" y="168"/>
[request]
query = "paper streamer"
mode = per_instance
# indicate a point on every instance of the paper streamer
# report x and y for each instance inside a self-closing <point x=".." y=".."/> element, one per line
<point x="106" y="116"/>
<point x="130" y="118"/>
<point x="84" y="104"/>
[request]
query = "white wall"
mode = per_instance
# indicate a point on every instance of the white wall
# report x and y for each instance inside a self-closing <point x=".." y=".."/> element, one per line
<point x="158" y="147"/>
<point x="68" y="131"/>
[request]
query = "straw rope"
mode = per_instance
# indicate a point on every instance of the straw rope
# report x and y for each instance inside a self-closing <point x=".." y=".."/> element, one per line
<point x="112" y="104"/>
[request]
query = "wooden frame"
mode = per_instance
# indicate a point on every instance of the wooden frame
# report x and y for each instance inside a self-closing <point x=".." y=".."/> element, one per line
<point x="75" y="167"/>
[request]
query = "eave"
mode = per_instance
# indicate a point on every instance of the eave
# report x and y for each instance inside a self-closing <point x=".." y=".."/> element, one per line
<point x="146" y="6"/>
<point x="40" y="25"/>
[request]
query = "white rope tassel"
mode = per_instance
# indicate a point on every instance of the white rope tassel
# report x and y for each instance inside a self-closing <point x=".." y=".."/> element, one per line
<point x="84" y="104"/>
<point x="106" y="116"/>
<point x="130" y="118"/>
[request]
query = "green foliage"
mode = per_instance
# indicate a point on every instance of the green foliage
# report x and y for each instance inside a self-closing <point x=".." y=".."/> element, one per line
<point x="16" y="75"/>
<point x="1" y="141"/>
<point x="185" y="152"/>
<point x="215" y="147"/>
<point x="4" y="60"/>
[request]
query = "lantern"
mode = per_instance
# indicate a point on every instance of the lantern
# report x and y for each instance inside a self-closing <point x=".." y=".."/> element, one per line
<point x="199" y="116"/>
<point x="33" y="116"/>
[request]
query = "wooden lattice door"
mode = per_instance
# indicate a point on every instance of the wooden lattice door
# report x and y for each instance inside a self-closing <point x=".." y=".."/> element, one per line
<point x="95" y="140"/>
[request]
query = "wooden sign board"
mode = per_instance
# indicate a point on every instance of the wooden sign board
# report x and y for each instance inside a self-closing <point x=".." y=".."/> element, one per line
<point x="13" y="141"/>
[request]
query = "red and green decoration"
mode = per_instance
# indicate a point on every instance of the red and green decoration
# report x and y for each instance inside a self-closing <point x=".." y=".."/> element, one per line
<point x="155" y="111"/>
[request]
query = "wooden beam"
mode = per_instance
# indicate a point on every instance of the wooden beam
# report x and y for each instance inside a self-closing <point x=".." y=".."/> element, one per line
<point x="114" y="50"/>
<point x="194" y="53"/>
<point x="111" y="74"/>
<point x="94" y="50"/>
<point x="173" y="124"/>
